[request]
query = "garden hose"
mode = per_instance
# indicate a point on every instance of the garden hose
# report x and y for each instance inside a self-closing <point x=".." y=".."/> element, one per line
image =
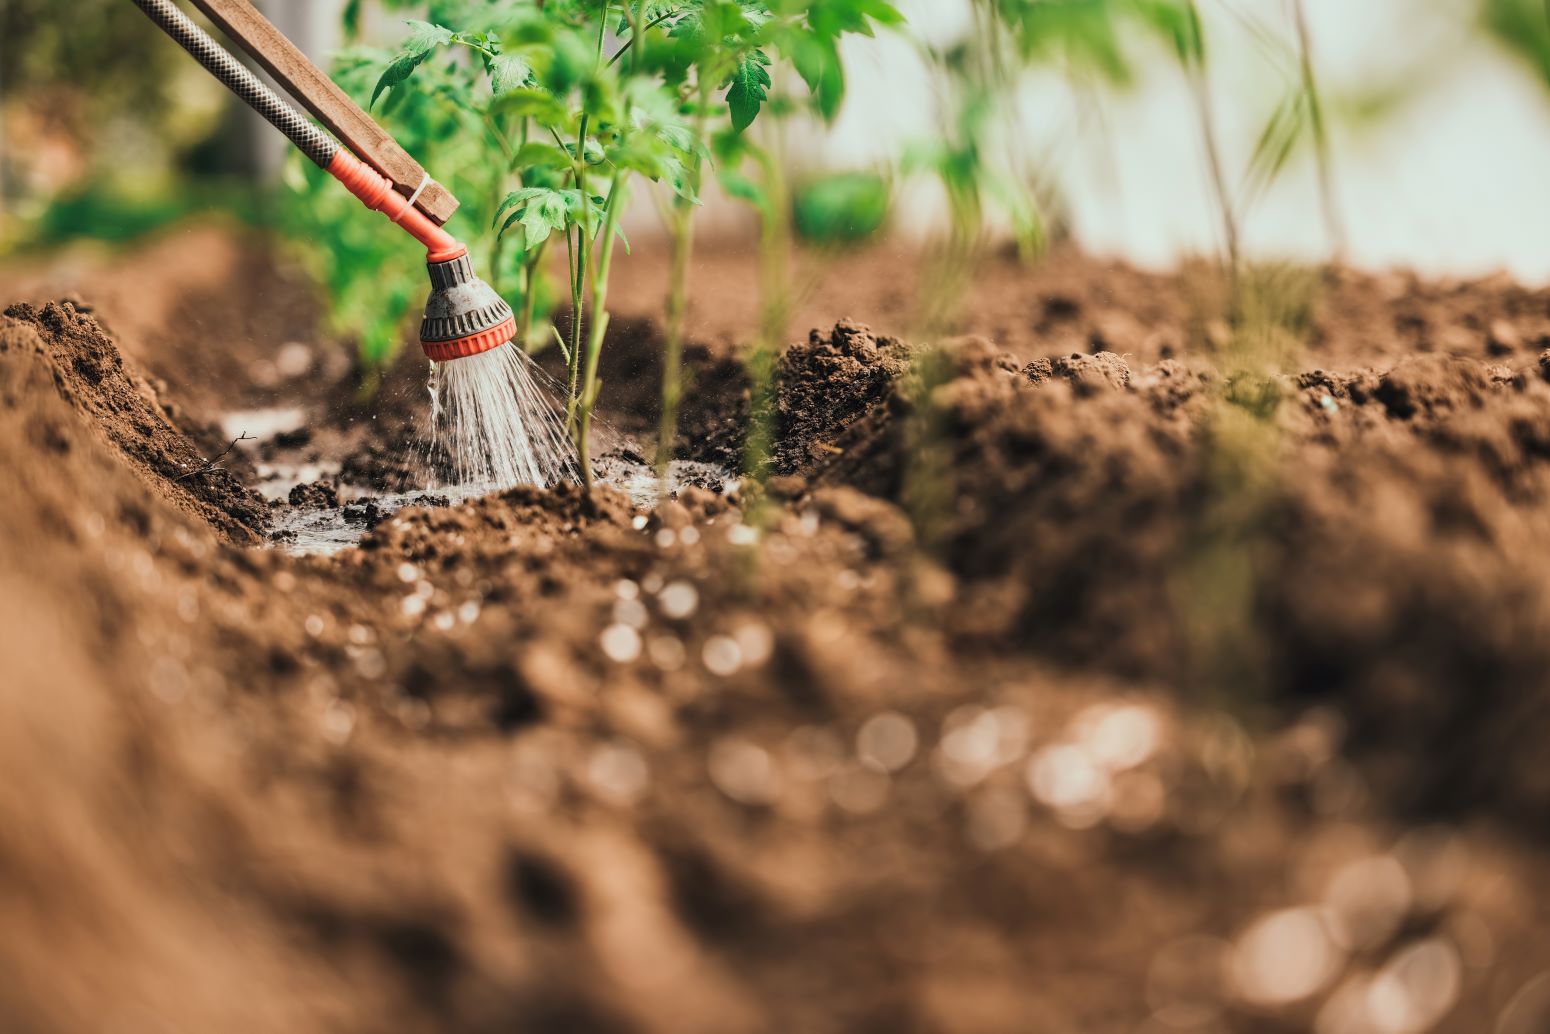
<point x="463" y="316"/>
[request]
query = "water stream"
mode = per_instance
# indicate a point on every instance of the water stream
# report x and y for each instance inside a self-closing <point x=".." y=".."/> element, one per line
<point x="494" y="423"/>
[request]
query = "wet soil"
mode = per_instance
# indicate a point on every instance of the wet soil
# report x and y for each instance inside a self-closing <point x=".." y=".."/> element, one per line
<point x="1048" y="688"/>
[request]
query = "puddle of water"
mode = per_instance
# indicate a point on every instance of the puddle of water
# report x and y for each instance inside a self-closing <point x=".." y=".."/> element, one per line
<point x="327" y="531"/>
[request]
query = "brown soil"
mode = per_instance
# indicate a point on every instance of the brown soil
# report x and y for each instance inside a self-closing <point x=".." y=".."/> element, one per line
<point x="1168" y="655"/>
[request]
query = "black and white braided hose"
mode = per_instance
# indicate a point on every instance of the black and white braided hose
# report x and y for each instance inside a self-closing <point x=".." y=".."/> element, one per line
<point x="314" y="143"/>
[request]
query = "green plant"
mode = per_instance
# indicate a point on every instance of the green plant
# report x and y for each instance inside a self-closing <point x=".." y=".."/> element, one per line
<point x="1523" y="27"/>
<point x="563" y="127"/>
<point x="740" y="46"/>
<point x="766" y="40"/>
<point x="841" y="209"/>
<point x="552" y="110"/>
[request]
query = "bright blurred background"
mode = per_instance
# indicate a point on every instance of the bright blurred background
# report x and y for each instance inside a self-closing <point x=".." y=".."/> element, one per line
<point x="1438" y="115"/>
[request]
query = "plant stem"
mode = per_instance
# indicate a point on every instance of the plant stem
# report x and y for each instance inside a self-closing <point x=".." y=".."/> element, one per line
<point x="599" y="328"/>
<point x="682" y="228"/>
<point x="774" y="313"/>
<point x="1200" y="87"/>
<point x="1333" y="224"/>
<point x="531" y="271"/>
<point x="576" y="256"/>
<point x="629" y="44"/>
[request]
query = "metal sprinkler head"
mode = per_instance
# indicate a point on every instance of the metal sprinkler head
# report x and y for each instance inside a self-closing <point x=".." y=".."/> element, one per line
<point x="464" y="315"/>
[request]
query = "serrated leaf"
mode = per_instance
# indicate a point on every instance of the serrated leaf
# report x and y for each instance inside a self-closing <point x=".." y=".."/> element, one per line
<point x="508" y="72"/>
<point x="425" y="37"/>
<point x="749" y="87"/>
<point x="540" y="211"/>
<point x="516" y="197"/>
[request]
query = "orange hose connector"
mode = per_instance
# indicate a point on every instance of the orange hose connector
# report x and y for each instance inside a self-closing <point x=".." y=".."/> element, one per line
<point x="377" y="194"/>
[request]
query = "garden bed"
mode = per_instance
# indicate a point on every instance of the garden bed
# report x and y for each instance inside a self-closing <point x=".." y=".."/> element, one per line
<point x="1182" y="715"/>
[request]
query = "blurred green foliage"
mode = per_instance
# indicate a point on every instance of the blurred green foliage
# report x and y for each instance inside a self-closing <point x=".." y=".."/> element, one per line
<point x="113" y="214"/>
<point x="843" y="208"/>
<point x="92" y="102"/>
<point x="1523" y="26"/>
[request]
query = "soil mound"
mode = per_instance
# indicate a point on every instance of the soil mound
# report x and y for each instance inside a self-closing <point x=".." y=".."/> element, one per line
<point x="546" y="761"/>
<point x="128" y="410"/>
<point x="1368" y="537"/>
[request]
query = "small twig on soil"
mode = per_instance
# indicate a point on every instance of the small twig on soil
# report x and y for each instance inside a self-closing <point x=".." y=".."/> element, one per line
<point x="211" y="466"/>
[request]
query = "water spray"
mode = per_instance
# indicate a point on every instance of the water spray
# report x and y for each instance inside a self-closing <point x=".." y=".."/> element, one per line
<point x="488" y="409"/>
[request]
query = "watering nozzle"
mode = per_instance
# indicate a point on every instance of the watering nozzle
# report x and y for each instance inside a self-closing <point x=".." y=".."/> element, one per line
<point x="463" y="316"/>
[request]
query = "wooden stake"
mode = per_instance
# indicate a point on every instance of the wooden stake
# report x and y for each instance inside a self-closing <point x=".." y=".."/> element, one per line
<point x="330" y="105"/>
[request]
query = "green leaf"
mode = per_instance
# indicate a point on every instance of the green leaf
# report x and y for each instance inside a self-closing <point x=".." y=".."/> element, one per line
<point x="540" y="211"/>
<point x="537" y="155"/>
<point x="817" y="61"/>
<point x="425" y="37"/>
<point x="1278" y="140"/>
<point x="402" y="68"/>
<point x="534" y="103"/>
<point x="350" y="19"/>
<point x="749" y="89"/>
<point x="517" y="197"/>
<point x="508" y="72"/>
<point x="744" y="189"/>
<point x="842" y="208"/>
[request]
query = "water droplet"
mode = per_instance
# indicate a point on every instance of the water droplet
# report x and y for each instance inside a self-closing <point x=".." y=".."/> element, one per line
<point x="756" y="641"/>
<point x="722" y="655"/>
<point x="1416" y="988"/>
<point x="679" y="600"/>
<point x="621" y="643"/>
<point x="666" y="652"/>
<point x="618" y="772"/>
<point x="338" y="721"/>
<point x="313" y="625"/>
<point x="407" y="572"/>
<point x="631" y="612"/>
<point x="743" y="771"/>
<point x="1067" y="780"/>
<point x="886" y="742"/>
<point x="1367" y="899"/>
<point x="1118" y="737"/>
<point x="1285" y="956"/>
